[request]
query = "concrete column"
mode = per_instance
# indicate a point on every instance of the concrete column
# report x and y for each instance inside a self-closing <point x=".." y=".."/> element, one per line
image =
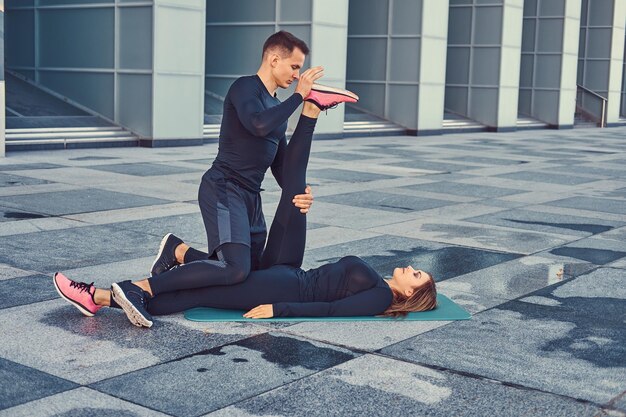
<point x="616" y="66"/>
<point x="2" y="103"/>
<point x="567" y="92"/>
<point x="432" y="71"/>
<point x="329" y="43"/>
<point x="178" y="73"/>
<point x="512" y="20"/>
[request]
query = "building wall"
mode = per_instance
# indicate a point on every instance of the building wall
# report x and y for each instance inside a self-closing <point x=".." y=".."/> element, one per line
<point x="73" y="48"/>
<point x="601" y="51"/>
<point x="549" y="50"/>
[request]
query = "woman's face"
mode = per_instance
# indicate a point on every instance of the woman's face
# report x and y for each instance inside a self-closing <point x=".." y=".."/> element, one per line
<point x="409" y="279"/>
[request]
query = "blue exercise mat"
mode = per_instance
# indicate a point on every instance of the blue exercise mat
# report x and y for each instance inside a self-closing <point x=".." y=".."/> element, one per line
<point x="446" y="310"/>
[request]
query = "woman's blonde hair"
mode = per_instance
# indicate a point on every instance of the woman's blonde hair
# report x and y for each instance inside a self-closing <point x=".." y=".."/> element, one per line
<point x="423" y="298"/>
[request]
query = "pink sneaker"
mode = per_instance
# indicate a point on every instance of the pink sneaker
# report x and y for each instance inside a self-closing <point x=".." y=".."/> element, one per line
<point x="326" y="97"/>
<point x="77" y="293"/>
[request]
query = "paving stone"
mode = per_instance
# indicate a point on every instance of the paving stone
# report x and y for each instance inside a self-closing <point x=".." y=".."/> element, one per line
<point x="82" y="246"/>
<point x="594" y="250"/>
<point x="144" y="169"/>
<point x="27" y="166"/>
<point x="341" y="156"/>
<point x="582" y="169"/>
<point x="592" y="204"/>
<point x="550" y="178"/>
<point x="435" y="165"/>
<point x="26" y="290"/>
<point x="21" y="384"/>
<point x="468" y="234"/>
<point x="79" y="402"/>
<point x="224" y="375"/>
<point x="93" y="158"/>
<point x="385" y="201"/>
<point x="384" y="253"/>
<point x="546" y="222"/>
<point x="455" y="188"/>
<point x="373" y="385"/>
<point x="8" y="272"/>
<point x="10" y="180"/>
<point x="515" y="278"/>
<point x="11" y="215"/>
<point x="88" y="349"/>
<point x="487" y="161"/>
<point x="528" y="344"/>
<point x="345" y="175"/>
<point x="77" y="201"/>
<point x="600" y="293"/>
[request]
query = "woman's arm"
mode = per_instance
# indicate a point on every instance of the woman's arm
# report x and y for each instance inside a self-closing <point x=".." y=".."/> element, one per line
<point x="365" y="303"/>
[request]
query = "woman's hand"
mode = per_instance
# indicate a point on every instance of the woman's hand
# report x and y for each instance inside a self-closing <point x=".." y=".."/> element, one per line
<point x="264" y="311"/>
<point x="304" y="201"/>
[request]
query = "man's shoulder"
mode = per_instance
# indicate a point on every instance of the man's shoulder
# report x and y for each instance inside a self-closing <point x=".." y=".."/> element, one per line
<point x="247" y="81"/>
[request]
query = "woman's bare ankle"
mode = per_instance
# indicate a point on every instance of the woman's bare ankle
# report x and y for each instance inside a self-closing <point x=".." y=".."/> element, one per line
<point x="180" y="252"/>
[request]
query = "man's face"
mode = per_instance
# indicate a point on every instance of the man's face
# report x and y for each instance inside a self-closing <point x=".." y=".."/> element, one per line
<point x="286" y="70"/>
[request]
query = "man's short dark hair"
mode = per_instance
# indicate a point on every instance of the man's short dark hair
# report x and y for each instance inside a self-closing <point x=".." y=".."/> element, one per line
<point x="286" y="43"/>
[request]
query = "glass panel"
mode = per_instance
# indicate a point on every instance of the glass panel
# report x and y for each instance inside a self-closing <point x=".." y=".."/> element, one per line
<point x="599" y="43"/>
<point x="407" y="17"/>
<point x="135" y="102"/>
<point x="486" y="66"/>
<point x="295" y="10"/>
<point x="405" y="60"/>
<point x="69" y="2"/>
<point x="601" y="13"/>
<point x="530" y="7"/>
<point x="368" y="17"/>
<point x="366" y="59"/>
<point x="19" y="38"/>
<point x="524" y="102"/>
<point x="597" y="76"/>
<point x="583" y="12"/>
<point x="456" y="100"/>
<point x="246" y="41"/>
<point x="580" y="72"/>
<point x="94" y="91"/>
<point x="76" y="38"/>
<point x="552" y="7"/>
<point x="218" y="86"/>
<point x="371" y="97"/>
<point x="457" y="65"/>
<point x="548" y="71"/>
<point x="581" y="43"/>
<point x="483" y="105"/>
<point x="526" y="70"/>
<point x="8" y="4"/>
<point x="528" y="35"/>
<point x="460" y="26"/>
<point x="460" y="1"/>
<point x="403" y="105"/>
<point x="240" y="11"/>
<point x="488" y="26"/>
<point x="488" y="1"/>
<point x="135" y="31"/>
<point x="550" y="35"/>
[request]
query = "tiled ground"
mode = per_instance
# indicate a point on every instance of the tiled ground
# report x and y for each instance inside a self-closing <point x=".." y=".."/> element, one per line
<point x="527" y="230"/>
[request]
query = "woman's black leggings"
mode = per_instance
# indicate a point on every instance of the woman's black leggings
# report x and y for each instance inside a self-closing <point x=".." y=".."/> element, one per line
<point x="174" y="289"/>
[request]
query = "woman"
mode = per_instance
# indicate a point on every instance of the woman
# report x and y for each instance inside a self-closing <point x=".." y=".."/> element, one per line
<point x="348" y="287"/>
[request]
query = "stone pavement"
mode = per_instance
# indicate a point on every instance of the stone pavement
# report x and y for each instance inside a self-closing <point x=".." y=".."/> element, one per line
<point x="526" y="230"/>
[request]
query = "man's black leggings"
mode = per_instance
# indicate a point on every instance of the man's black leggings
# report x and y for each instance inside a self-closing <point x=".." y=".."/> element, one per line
<point x="286" y="240"/>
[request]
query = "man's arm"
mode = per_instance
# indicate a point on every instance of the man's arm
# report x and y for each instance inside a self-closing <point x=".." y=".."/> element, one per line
<point x="255" y="118"/>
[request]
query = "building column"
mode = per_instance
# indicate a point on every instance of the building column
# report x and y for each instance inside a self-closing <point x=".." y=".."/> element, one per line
<point x="616" y="63"/>
<point x="432" y="71"/>
<point x="329" y="44"/>
<point x="178" y="73"/>
<point x="512" y="21"/>
<point x="2" y="95"/>
<point x="567" y="92"/>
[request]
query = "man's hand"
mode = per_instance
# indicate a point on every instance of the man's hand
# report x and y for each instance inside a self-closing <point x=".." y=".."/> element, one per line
<point x="306" y="80"/>
<point x="304" y="201"/>
<point x="264" y="311"/>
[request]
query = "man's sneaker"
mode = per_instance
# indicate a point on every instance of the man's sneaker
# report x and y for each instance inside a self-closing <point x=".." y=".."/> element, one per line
<point x="326" y="97"/>
<point x="166" y="258"/>
<point x="133" y="301"/>
<point x="79" y="294"/>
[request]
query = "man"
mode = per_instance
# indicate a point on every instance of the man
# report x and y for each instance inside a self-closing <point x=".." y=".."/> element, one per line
<point x="252" y="139"/>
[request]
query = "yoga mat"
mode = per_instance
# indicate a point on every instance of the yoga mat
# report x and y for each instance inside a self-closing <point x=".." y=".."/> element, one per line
<point x="446" y="310"/>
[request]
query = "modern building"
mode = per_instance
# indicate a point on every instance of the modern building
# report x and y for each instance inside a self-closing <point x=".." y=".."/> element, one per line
<point x="154" y="72"/>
